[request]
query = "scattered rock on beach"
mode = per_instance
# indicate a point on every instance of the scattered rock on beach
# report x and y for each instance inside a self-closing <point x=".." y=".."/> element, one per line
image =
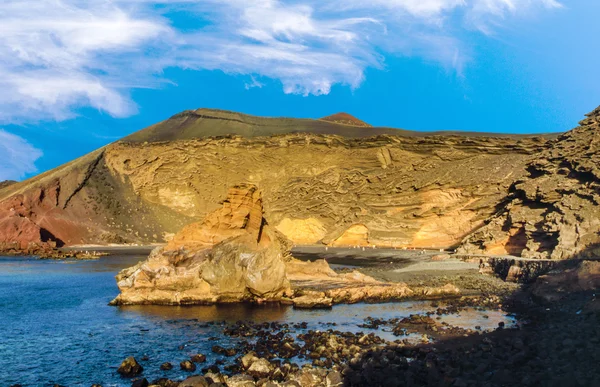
<point x="195" y="381"/>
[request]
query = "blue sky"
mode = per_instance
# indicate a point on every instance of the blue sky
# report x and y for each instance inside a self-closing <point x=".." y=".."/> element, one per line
<point x="79" y="74"/>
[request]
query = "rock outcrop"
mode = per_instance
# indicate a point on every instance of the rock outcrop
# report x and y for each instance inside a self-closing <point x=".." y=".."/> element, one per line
<point x="553" y="211"/>
<point x="582" y="276"/>
<point x="6" y="183"/>
<point x="233" y="255"/>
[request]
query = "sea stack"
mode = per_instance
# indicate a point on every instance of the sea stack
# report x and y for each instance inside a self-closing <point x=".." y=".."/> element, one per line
<point x="232" y="255"/>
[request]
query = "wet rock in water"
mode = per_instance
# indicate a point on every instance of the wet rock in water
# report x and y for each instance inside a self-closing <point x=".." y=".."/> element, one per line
<point x="248" y="359"/>
<point x="188" y="366"/>
<point x="164" y="382"/>
<point x="214" y="377"/>
<point x="130" y="367"/>
<point x="195" y="381"/>
<point x="260" y="368"/>
<point x="224" y="351"/>
<point x="140" y="383"/>
<point x="166" y="366"/>
<point x="198" y="358"/>
<point x="313" y="300"/>
<point x="241" y="380"/>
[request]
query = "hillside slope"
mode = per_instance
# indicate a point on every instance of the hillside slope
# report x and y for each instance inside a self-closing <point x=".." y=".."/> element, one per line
<point x="322" y="182"/>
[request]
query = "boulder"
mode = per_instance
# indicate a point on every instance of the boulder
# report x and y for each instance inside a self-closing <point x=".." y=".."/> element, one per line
<point x="241" y="380"/>
<point x="195" y="381"/>
<point x="140" y="383"/>
<point x="215" y="377"/>
<point x="260" y="368"/>
<point x="334" y="379"/>
<point x="234" y="256"/>
<point x="198" y="358"/>
<point x="166" y="366"/>
<point x="130" y="367"/>
<point x="248" y="359"/>
<point x="188" y="366"/>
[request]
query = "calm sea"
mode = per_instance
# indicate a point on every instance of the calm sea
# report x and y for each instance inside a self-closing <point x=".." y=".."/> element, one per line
<point x="56" y="325"/>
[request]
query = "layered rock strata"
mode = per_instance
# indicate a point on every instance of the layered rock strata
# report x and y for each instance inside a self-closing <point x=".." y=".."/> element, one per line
<point x="553" y="211"/>
<point x="322" y="182"/>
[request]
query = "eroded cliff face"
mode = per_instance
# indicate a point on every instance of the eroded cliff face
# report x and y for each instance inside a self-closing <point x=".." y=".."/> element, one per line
<point x="83" y="202"/>
<point x="553" y="211"/>
<point x="341" y="185"/>
<point x="427" y="192"/>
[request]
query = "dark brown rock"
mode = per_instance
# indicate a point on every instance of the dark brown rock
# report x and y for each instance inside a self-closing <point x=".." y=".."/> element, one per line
<point x="198" y="358"/>
<point x="166" y="366"/>
<point x="188" y="366"/>
<point x="140" y="383"/>
<point x="553" y="211"/>
<point x="130" y="367"/>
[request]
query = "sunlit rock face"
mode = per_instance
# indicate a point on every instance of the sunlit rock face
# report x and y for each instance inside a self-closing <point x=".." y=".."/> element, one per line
<point x="322" y="181"/>
<point x="553" y="211"/>
<point x="233" y="255"/>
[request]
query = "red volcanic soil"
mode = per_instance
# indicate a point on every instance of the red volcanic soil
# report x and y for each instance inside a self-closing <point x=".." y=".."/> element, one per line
<point x="345" y="119"/>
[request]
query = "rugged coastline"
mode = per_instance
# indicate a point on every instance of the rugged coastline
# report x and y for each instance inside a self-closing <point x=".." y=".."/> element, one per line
<point x="513" y="220"/>
<point x="233" y="255"/>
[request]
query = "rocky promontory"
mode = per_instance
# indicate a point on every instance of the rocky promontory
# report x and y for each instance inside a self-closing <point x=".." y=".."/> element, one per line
<point x="554" y="210"/>
<point x="234" y="255"/>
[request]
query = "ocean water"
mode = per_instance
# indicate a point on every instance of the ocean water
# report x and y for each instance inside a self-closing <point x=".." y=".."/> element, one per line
<point x="56" y="326"/>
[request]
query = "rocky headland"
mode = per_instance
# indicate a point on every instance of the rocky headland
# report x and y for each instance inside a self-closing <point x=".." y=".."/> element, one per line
<point x="234" y="255"/>
<point x="553" y="210"/>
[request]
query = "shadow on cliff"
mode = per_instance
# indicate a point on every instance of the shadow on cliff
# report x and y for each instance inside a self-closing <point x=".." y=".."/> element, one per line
<point x="556" y="344"/>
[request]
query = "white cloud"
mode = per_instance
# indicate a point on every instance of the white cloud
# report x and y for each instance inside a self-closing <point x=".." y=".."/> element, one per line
<point x="17" y="156"/>
<point x="59" y="55"/>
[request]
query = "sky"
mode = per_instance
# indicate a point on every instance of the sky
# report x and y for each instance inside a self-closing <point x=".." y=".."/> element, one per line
<point x="76" y="75"/>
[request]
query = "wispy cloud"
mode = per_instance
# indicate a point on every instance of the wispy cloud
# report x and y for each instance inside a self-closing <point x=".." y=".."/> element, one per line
<point x="59" y="55"/>
<point x="18" y="156"/>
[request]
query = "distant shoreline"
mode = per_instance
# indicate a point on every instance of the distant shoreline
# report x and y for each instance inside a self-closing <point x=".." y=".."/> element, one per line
<point x="113" y="249"/>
